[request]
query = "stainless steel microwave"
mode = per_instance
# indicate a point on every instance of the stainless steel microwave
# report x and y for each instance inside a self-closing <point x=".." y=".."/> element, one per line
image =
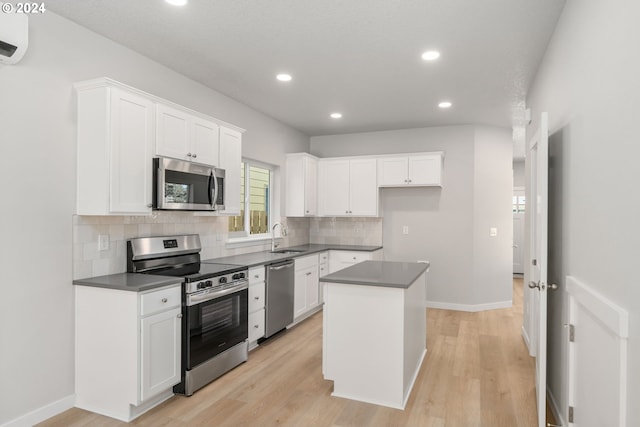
<point x="186" y="186"/>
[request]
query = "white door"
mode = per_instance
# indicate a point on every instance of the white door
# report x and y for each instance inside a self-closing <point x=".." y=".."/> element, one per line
<point x="518" y="230"/>
<point x="539" y="154"/>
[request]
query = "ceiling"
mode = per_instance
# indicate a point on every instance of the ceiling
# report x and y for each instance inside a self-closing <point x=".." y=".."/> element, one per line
<point x="359" y="57"/>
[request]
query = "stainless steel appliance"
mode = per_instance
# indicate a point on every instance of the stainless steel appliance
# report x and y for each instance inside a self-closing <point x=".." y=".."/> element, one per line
<point x="214" y="305"/>
<point x="187" y="186"/>
<point x="279" y="297"/>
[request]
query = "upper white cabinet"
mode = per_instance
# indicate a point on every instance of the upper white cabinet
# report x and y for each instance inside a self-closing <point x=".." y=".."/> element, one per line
<point x="184" y="136"/>
<point x="411" y="170"/>
<point x="347" y="187"/>
<point x="114" y="150"/>
<point x="230" y="160"/>
<point x="302" y="185"/>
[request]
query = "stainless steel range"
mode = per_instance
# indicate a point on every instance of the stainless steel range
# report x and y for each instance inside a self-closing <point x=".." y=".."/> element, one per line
<point x="214" y="305"/>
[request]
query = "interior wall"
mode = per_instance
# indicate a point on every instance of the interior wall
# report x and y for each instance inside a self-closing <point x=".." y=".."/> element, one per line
<point x="592" y="102"/>
<point x="441" y="220"/>
<point x="518" y="173"/>
<point x="37" y="163"/>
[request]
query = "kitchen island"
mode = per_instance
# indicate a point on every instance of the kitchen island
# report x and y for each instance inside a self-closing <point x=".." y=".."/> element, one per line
<point x="375" y="330"/>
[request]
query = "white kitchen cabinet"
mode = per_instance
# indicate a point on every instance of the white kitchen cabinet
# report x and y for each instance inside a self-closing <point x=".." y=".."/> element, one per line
<point x="184" y="136"/>
<point x="301" y="185"/>
<point x="230" y="161"/>
<point x="114" y="149"/>
<point x="347" y="187"/>
<point x="323" y="270"/>
<point x="343" y="259"/>
<point x="423" y="169"/>
<point x="256" y="305"/>
<point x="128" y="349"/>
<point x="306" y="288"/>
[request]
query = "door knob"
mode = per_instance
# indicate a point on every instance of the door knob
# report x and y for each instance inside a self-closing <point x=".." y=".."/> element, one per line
<point x="553" y="287"/>
<point x="534" y="285"/>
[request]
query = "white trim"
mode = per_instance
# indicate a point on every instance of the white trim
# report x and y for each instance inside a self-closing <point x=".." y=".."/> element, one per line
<point x="526" y="339"/>
<point x="43" y="413"/>
<point x="469" y="307"/>
<point x="613" y="316"/>
<point x="253" y="240"/>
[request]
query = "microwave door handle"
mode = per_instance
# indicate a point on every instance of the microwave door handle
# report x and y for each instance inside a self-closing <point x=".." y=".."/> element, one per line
<point x="214" y="181"/>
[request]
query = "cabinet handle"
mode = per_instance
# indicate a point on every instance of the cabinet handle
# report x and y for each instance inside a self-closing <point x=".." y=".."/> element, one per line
<point x="194" y="155"/>
<point x="346" y="211"/>
<point x="409" y="180"/>
<point x="354" y="258"/>
<point x="256" y="276"/>
<point x="256" y="298"/>
<point x="149" y="205"/>
<point x="406" y="180"/>
<point x="180" y="316"/>
<point x="256" y="326"/>
<point x="309" y="274"/>
<point x="164" y="300"/>
<point x="188" y="154"/>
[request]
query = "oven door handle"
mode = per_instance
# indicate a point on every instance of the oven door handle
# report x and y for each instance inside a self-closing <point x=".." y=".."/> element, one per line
<point x="197" y="298"/>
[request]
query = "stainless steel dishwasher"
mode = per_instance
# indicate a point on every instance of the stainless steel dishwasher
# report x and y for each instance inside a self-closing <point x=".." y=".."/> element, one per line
<point x="279" y="298"/>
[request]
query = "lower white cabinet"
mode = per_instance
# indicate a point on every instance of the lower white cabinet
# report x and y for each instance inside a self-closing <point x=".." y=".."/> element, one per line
<point x="343" y="259"/>
<point x="256" y="305"/>
<point x="128" y="349"/>
<point x="307" y="291"/>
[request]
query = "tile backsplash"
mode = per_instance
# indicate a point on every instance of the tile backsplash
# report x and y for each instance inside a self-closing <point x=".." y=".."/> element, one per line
<point x="90" y="261"/>
<point x="346" y="231"/>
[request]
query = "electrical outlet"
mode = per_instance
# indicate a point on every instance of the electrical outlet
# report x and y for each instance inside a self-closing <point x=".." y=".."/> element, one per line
<point x="405" y="229"/>
<point x="103" y="242"/>
<point x="356" y="229"/>
<point x="493" y="232"/>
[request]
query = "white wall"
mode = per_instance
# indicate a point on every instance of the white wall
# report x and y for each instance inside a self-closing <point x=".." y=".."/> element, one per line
<point x="442" y="221"/>
<point x="588" y="82"/>
<point x="37" y="167"/>
<point x="518" y="173"/>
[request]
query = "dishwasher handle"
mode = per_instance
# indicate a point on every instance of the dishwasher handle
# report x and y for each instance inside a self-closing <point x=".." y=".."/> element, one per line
<point x="280" y="267"/>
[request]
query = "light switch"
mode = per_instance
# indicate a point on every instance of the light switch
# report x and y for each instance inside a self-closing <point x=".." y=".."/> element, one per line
<point x="405" y="229"/>
<point x="493" y="232"/>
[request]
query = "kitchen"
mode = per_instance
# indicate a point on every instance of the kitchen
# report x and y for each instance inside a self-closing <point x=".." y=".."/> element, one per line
<point x="38" y="110"/>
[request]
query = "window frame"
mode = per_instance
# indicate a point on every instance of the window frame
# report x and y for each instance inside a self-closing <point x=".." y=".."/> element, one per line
<point x="244" y="237"/>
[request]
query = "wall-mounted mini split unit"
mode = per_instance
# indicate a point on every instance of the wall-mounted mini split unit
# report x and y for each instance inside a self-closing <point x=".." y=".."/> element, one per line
<point x="14" y="36"/>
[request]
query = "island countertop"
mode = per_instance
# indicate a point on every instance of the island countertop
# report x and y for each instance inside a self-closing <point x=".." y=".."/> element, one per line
<point x="390" y="274"/>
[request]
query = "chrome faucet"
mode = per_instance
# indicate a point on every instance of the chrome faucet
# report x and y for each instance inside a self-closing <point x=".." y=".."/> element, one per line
<point x="274" y="245"/>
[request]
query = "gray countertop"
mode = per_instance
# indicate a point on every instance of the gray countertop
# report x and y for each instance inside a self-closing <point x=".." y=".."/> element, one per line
<point x="137" y="282"/>
<point x="390" y="274"/>
<point x="265" y="257"/>
<point x="134" y="282"/>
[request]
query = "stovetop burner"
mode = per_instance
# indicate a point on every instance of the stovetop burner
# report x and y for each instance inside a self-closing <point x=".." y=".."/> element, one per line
<point x="198" y="271"/>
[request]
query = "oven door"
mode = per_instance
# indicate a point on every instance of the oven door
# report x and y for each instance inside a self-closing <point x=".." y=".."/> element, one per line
<point x="215" y="326"/>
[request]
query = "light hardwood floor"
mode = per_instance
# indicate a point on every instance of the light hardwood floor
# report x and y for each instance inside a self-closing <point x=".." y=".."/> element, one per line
<point x="477" y="372"/>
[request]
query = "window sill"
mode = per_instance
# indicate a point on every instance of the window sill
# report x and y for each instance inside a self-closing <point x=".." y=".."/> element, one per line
<point x="242" y="242"/>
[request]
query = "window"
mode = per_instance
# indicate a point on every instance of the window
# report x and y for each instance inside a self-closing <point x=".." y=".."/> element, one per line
<point x="255" y="194"/>
<point x="519" y="204"/>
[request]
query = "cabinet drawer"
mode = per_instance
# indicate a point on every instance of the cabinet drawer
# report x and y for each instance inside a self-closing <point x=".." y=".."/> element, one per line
<point x="350" y="256"/>
<point x="161" y="300"/>
<point x="256" y="325"/>
<point x="323" y="257"/>
<point x="323" y="269"/>
<point x="256" y="297"/>
<point x="306" y="262"/>
<point x="256" y="275"/>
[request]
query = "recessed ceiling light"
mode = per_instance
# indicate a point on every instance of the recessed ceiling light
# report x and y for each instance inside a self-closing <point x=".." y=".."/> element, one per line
<point x="445" y="104"/>
<point x="177" y="2"/>
<point x="431" y="55"/>
<point x="336" y="115"/>
<point x="284" y="77"/>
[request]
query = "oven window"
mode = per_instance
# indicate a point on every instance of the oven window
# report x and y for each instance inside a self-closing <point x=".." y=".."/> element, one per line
<point x="181" y="187"/>
<point x="215" y="326"/>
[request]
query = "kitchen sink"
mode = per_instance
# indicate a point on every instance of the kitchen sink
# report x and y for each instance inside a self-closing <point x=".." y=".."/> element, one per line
<point x="287" y="251"/>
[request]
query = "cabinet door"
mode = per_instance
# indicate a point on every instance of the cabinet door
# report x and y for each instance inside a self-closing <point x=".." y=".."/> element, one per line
<point x="334" y="187"/>
<point x="425" y="170"/>
<point x="205" y="142"/>
<point x="256" y="325"/>
<point x="256" y="297"/>
<point x="160" y="350"/>
<point x="313" y="293"/>
<point x="300" y="293"/>
<point x="131" y="148"/>
<point x="392" y="171"/>
<point x="230" y="160"/>
<point x="172" y="129"/>
<point x="363" y="195"/>
<point x="310" y="186"/>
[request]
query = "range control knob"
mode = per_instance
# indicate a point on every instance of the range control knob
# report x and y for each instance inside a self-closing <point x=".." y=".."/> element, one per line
<point x="222" y="280"/>
<point x="201" y="285"/>
<point x="241" y="275"/>
<point x="208" y="283"/>
<point x="235" y="276"/>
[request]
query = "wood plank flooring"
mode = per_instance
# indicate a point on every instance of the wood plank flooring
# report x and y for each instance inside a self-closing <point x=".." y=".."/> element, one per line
<point x="477" y="372"/>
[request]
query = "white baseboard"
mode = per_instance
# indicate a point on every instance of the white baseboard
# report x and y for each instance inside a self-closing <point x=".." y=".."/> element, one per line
<point x="554" y="408"/>
<point x="526" y="339"/>
<point x="469" y="307"/>
<point x="38" y="415"/>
